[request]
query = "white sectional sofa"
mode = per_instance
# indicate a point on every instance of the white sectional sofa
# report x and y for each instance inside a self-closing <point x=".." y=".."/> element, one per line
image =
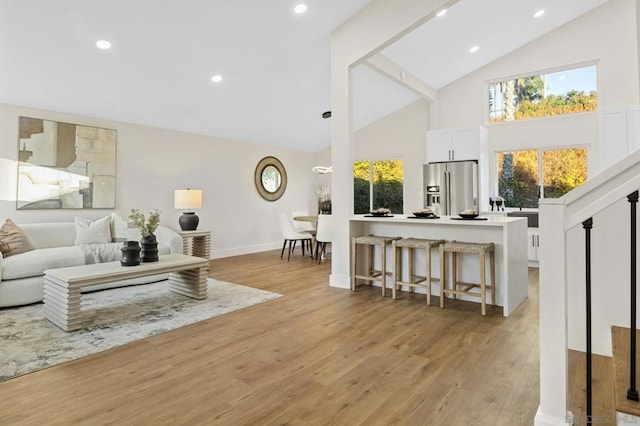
<point x="21" y="275"/>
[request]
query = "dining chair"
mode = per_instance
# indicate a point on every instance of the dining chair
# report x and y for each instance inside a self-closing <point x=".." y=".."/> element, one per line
<point x="323" y="235"/>
<point x="303" y="226"/>
<point x="290" y="235"/>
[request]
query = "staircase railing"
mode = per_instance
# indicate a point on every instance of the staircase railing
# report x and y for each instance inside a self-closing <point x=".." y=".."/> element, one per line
<point x="559" y="219"/>
<point x="588" y="225"/>
<point x="632" y="392"/>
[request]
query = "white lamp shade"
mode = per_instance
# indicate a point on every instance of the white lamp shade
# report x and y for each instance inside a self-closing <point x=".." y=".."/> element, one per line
<point x="187" y="199"/>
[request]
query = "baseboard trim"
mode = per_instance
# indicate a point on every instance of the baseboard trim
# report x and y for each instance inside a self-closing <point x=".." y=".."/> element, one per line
<point x="239" y="251"/>
<point x="340" y="281"/>
<point x="545" y="420"/>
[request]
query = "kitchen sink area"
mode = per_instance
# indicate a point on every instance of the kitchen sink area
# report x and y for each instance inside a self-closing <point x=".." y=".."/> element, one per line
<point x="532" y="217"/>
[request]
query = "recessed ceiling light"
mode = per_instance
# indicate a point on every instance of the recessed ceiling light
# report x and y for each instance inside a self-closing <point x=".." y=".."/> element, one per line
<point x="474" y="49"/>
<point x="300" y="8"/>
<point x="539" y="13"/>
<point x="442" y="12"/>
<point x="216" y="78"/>
<point x="103" y="44"/>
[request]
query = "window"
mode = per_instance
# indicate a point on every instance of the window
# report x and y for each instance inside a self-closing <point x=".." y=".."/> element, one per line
<point x="525" y="176"/>
<point x="544" y="95"/>
<point x="378" y="184"/>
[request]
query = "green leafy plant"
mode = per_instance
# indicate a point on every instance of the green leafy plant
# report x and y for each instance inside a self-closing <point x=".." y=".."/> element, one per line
<point x="146" y="227"/>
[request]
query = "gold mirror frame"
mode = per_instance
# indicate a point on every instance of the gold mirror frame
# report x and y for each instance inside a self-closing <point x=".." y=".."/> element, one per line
<point x="257" y="177"/>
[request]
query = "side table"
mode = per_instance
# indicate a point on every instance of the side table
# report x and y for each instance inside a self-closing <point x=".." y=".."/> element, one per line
<point x="196" y="243"/>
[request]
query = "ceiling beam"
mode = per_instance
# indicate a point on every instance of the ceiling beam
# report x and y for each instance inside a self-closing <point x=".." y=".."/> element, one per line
<point x="390" y="69"/>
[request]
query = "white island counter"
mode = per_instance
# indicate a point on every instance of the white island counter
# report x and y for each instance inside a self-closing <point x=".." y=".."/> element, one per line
<point x="509" y="234"/>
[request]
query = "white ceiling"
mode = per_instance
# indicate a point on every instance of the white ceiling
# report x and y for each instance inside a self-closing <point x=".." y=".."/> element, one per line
<point x="275" y="64"/>
<point x="438" y="51"/>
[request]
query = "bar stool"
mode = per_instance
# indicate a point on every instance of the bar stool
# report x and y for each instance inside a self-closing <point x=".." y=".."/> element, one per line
<point x="414" y="280"/>
<point x="371" y="241"/>
<point x="478" y="249"/>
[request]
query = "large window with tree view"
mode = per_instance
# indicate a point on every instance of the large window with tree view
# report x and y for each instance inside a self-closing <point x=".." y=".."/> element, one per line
<point x="544" y="95"/>
<point x="378" y="184"/>
<point x="524" y="176"/>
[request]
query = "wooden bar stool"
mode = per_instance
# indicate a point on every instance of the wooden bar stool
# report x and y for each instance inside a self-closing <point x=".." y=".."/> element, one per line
<point x="414" y="280"/>
<point x="371" y="275"/>
<point x="478" y="249"/>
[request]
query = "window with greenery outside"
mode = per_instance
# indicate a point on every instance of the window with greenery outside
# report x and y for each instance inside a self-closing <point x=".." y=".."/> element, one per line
<point x="563" y="92"/>
<point x="378" y="184"/>
<point x="522" y="178"/>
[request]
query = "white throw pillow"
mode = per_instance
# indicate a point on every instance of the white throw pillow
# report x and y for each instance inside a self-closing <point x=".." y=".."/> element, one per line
<point x="93" y="231"/>
<point x="123" y="229"/>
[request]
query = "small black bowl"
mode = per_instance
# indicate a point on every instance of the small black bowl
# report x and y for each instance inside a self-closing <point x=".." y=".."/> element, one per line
<point x="468" y="216"/>
<point x="423" y="214"/>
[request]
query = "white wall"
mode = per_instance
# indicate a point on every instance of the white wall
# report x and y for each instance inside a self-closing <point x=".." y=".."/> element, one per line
<point x="606" y="35"/>
<point x="152" y="163"/>
<point x="400" y="135"/>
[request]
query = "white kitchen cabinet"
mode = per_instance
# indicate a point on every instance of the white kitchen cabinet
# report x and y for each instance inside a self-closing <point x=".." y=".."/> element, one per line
<point x="457" y="144"/>
<point x="619" y="135"/>
<point x="533" y="244"/>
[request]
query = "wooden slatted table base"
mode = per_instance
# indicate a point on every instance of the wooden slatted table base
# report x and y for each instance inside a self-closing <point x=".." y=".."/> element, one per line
<point x="196" y="243"/>
<point x="192" y="283"/>
<point x="63" y="286"/>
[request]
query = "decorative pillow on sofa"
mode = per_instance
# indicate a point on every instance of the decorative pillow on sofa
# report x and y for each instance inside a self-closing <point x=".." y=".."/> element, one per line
<point x="93" y="231"/>
<point x="13" y="240"/>
<point x="122" y="230"/>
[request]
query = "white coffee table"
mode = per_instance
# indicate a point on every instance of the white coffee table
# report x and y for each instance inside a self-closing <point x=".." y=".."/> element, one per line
<point x="63" y="286"/>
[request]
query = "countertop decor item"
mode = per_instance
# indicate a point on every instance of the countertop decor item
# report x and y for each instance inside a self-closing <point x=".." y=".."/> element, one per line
<point x="380" y="212"/>
<point x="468" y="214"/>
<point x="188" y="199"/>
<point x="426" y="212"/>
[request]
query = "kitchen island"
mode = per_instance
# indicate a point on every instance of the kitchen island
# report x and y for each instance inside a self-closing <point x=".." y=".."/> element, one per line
<point x="509" y="234"/>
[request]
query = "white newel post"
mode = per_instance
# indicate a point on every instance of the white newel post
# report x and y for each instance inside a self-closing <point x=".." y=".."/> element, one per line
<point x="553" y="315"/>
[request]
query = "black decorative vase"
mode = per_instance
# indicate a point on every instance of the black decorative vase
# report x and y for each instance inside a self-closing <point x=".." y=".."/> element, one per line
<point x="130" y="253"/>
<point x="149" y="248"/>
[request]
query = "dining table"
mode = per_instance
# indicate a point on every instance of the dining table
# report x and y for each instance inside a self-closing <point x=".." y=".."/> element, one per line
<point x="313" y="219"/>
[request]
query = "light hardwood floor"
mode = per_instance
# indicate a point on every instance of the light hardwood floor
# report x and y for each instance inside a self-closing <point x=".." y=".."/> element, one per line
<point x="316" y="356"/>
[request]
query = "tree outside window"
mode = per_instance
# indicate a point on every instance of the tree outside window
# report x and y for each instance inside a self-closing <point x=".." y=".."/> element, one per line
<point x="544" y="95"/>
<point x="378" y="184"/>
<point x="525" y="176"/>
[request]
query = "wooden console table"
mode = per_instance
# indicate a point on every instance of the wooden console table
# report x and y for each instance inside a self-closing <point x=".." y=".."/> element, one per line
<point x="63" y="286"/>
<point x="196" y="243"/>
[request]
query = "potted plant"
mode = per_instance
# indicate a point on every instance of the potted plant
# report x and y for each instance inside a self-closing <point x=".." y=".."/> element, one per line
<point x="147" y="227"/>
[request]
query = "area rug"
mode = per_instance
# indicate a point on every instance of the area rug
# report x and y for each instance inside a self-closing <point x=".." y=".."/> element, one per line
<point x="29" y="342"/>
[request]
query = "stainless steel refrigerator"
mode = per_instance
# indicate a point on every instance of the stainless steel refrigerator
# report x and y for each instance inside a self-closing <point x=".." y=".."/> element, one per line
<point x="451" y="187"/>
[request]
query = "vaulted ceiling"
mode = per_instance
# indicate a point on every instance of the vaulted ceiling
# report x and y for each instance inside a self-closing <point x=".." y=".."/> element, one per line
<point x="274" y="64"/>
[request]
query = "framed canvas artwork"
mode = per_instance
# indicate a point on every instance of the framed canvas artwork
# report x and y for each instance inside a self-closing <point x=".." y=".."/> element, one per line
<point x="65" y="166"/>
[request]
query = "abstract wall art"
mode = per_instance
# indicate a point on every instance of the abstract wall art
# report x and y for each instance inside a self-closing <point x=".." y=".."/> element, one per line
<point x="65" y="166"/>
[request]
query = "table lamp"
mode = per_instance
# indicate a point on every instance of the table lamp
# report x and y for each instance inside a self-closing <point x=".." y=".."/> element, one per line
<point x="187" y="199"/>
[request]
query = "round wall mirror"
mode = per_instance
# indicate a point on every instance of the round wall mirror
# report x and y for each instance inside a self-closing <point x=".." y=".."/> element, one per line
<point x="270" y="178"/>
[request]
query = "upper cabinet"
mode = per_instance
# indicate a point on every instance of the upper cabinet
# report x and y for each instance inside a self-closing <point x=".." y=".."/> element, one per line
<point x="458" y="144"/>
<point x="619" y="135"/>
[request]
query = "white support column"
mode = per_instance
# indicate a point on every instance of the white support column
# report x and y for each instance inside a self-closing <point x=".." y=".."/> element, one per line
<point x="553" y="315"/>
<point x="376" y="26"/>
